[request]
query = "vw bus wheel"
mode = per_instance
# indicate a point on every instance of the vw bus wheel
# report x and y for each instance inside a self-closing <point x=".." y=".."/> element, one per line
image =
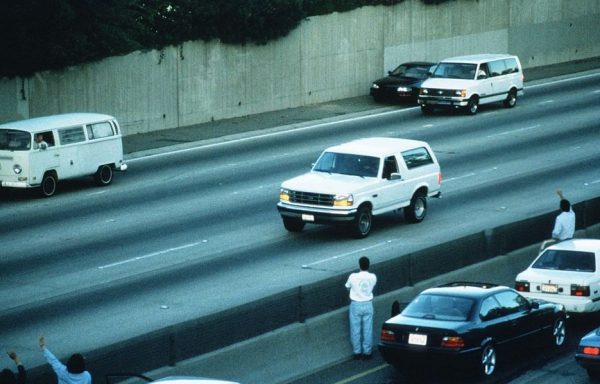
<point x="104" y="175"/>
<point x="48" y="186"/>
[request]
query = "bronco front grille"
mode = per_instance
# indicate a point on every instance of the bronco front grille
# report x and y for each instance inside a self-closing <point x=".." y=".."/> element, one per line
<point x="311" y="198"/>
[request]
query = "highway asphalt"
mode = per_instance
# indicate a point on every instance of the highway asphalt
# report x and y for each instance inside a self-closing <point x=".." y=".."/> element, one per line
<point x="141" y="144"/>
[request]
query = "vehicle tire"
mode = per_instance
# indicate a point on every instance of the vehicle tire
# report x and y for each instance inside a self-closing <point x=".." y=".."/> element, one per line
<point x="104" y="175"/>
<point x="416" y="211"/>
<point x="48" y="186"/>
<point x="472" y="106"/>
<point x="293" y="225"/>
<point x="487" y="364"/>
<point x="559" y="332"/>
<point x="593" y="373"/>
<point x="361" y="226"/>
<point x="511" y="99"/>
<point x="426" y="109"/>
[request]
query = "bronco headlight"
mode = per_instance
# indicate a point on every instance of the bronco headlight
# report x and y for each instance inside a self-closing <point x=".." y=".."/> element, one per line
<point x="343" y="200"/>
<point x="17" y="169"/>
<point x="284" y="194"/>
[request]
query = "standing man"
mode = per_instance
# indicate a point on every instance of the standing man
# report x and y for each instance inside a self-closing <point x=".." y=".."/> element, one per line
<point x="72" y="373"/>
<point x="564" y="225"/>
<point x="8" y="377"/>
<point x="361" y="286"/>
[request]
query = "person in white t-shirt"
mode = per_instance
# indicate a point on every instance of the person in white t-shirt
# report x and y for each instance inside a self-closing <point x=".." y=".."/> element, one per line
<point x="564" y="225"/>
<point x="361" y="286"/>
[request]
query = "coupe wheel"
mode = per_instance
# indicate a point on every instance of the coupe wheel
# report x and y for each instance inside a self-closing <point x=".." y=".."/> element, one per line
<point x="511" y="99"/>
<point x="361" y="226"/>
<point x="488" y="360"/>
<point x="48" y="186"/>
<point x="416" y="211"/>
<point x="426" y="109"/>
<point x="559" y="332"/>
<point x="103" y="175"/>
<point x="472" y="106"/>
<point x="293" y="225"/>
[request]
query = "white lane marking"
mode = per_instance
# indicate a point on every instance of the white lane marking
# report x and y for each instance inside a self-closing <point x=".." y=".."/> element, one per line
<point x="305" y="266"/>
<point x="564" y="80"/>
<point x="514" y="131"/>
<point x="596" y="91"/>
<point x="593" y="182"/>
<point x="460" y="177"/>
<point x="164" y="251"/>
<point x="96" y="193"/>
<point x="546" y="102"/>
<point x="427" y="125"/>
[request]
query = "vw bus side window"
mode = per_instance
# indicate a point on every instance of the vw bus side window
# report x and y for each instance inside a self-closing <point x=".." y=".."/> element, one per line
<point x="43" y="140"/>
<point x="71" y="135"/>
<point x="14" y="140"/>
<point x="99" y="130"/>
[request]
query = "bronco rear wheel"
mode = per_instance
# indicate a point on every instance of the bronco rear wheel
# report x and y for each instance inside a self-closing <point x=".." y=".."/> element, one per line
<point x="416" y="211"/>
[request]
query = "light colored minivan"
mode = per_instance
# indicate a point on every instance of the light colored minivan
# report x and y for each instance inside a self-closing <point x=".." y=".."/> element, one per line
<point x="466" y="82"/>
<point x="41" y="151"/>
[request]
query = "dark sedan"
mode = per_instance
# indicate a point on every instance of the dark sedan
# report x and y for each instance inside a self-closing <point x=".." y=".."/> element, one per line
<point x="588" y="353"/>
<point x="467" y="324"/>
<point x="403" y="83"/>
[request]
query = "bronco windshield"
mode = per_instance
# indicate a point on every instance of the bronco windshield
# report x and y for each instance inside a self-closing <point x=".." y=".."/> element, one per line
<point x="347" y="164"/>
<point x="13" y="140"/>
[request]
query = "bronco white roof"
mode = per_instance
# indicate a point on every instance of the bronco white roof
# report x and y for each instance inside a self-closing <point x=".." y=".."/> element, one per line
<point x="476" y="59"/>
<point x="377" y="146"/>
<point x="55" y="121"/>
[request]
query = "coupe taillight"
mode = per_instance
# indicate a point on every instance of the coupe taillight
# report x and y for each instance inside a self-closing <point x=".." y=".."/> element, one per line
<point x="580" y="290"/>
<point x="453" y="342"/>
<point x="388" y="335"/>
<point x="594" y="351"/>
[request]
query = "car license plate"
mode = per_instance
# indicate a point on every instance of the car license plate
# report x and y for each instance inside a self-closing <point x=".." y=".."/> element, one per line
<point x="417" y="339"/>
<point x="306" y="217"/>
<point x="549" y="288"/>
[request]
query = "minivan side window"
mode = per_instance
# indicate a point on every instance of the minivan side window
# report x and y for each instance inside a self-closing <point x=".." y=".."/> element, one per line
<point x="71" y="135"/>
<point x="497" y="68"/>
<point x="99" y="130"/>
<point x="511" y="66"/>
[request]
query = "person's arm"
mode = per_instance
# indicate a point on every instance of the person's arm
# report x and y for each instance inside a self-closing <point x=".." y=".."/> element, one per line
<point x="560" y="194"/>
<point x="56" y="365"/>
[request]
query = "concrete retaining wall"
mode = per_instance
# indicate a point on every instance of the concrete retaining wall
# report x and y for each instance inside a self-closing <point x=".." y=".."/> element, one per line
<point x="326" y="58"/>
<point x="315" y="314"/>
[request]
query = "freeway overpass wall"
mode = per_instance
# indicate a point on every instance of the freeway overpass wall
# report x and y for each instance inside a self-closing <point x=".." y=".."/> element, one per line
<point x="306" y="327"/>
<point x="326" y="58"/>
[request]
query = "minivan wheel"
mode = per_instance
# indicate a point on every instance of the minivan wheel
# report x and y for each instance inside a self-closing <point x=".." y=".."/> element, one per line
<point x="488" y="360"/>
<point x="103" y="175"/>
<point x="361" y="226"/>
<point x="48" y="186"/>
<point x="416" y="211"/>
<point x="511" y="99"/>
<point x="473" y="105"/>
<point x="293" y="225"/>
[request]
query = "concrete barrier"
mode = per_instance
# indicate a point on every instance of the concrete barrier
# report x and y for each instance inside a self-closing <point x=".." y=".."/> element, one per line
<point x="283" y="333"/>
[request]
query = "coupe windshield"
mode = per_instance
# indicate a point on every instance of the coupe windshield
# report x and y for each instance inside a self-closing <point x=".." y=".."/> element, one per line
<point x="439" y="307"/>
<point x="14" y="140"/>
<point x="347" y="164"/>
<point x="566" y="261"/>
<point x="408" y="71"/>
<point x="455" y="71"/>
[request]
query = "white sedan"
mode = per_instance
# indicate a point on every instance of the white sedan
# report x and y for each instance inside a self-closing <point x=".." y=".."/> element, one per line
<point x="567" y="273"/>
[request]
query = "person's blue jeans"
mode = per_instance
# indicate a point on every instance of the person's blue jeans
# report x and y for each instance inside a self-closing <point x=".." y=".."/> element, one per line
<point x="361" y="327"/>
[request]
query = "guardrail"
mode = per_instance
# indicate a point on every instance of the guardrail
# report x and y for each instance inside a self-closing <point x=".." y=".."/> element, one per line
<point x="179" y="342"/>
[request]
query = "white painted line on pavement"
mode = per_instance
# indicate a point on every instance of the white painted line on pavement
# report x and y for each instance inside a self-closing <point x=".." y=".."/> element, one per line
<point x="596" y="91"/>
<point x="305" y="266"/>
<point x="514" y="131"/>
<point x="460" y="177"/>
<point x="137" y="258"/>
<point x="363" y="374"/>
<point x="546" y="102"/>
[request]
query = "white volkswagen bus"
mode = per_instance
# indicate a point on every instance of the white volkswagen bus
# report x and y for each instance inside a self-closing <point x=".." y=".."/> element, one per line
<point x="41" y="151"/>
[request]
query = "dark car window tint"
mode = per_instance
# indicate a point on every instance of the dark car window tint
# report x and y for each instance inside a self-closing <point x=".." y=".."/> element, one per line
<point x="348" y="164"/>
<point x="566" y="261"/>
<point x="417" y="157"/>
<point x="511" y="302"/>
<point x="389" y="166"/>
<point x="490" y="309"/>
<point x="439" y="307"/>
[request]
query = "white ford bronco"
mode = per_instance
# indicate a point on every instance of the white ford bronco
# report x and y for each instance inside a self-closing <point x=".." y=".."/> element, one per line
<point x="352" y="182"/>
